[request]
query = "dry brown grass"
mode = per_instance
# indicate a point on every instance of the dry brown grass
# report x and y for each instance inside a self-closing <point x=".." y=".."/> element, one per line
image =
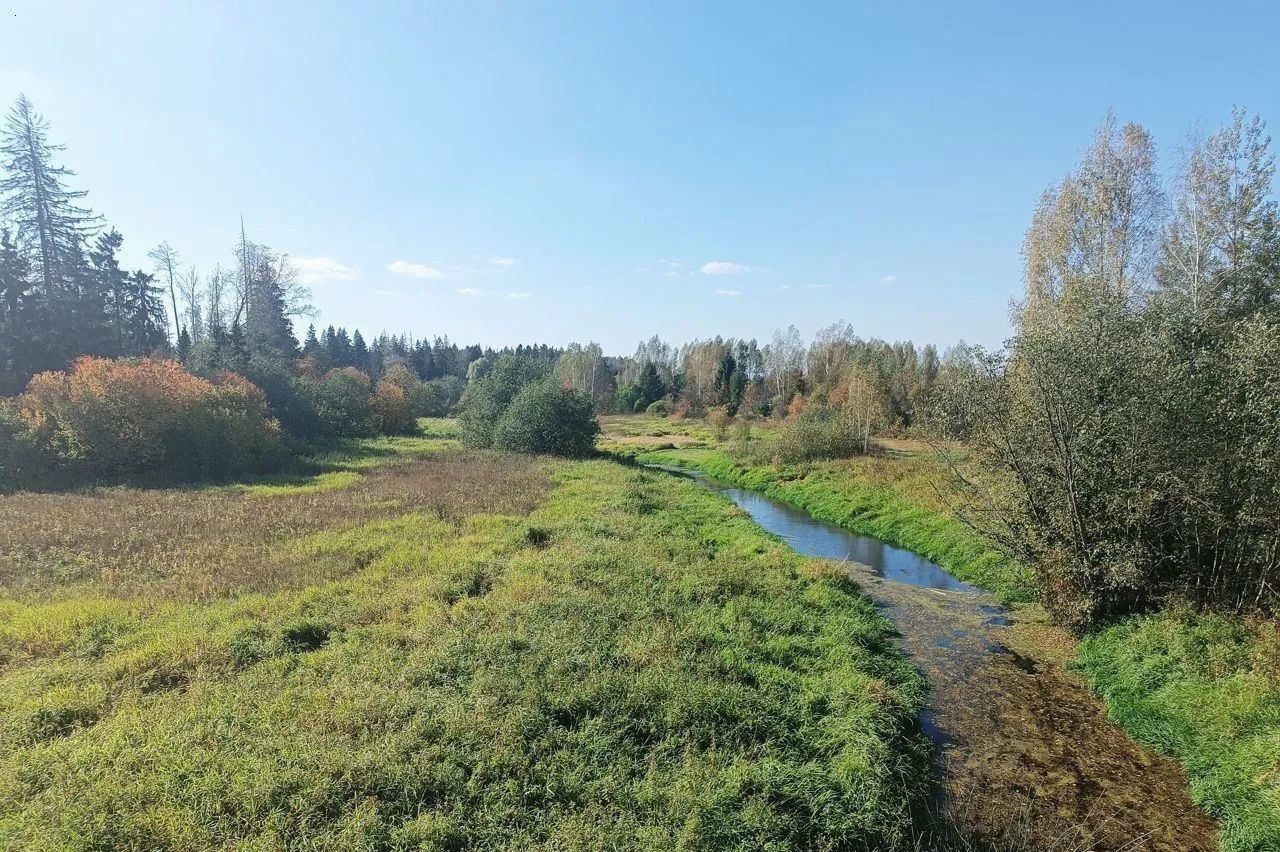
<point x="655" y="440"/>
<point x="201" y="544"/>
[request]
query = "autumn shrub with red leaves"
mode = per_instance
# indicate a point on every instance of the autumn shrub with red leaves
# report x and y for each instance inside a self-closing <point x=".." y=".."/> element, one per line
<point x="106" y="418"/>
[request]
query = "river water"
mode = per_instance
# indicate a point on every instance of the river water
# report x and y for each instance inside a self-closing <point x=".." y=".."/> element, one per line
<point x="1024" y="749"/>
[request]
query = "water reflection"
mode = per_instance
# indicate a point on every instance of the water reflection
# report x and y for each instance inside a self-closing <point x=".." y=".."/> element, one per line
<point x="812" y="537"/>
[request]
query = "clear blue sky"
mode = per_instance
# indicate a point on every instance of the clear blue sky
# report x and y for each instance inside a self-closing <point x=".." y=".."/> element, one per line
<point x="567" y="171"/>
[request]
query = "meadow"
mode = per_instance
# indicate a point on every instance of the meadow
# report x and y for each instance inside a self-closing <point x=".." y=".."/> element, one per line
<point x="424" y="648"/>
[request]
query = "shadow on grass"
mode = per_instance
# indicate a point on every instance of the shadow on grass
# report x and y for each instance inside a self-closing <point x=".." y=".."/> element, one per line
<point x="304" y="468"/>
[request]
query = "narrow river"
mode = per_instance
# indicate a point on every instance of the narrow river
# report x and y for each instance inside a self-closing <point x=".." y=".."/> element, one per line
<point x="1025" y="753"/>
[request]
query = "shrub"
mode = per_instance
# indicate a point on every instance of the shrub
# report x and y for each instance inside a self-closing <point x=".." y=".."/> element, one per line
<point x="659" y="407"/>
<point x="720" y="420"/>
<point x="415" y="392"/>
<point x="291" y="397"/>
<point x="392" y="411"/>
<point x="628" y="398"/>
<point x="487" y="397"/>
<point x="111" y="418"/>
<point x="440" y="396"/>
<point x="343" y="402"/>
<point x="543" y="418"/>
<point x="21" y="459"/>
<point x="817" y="433"/>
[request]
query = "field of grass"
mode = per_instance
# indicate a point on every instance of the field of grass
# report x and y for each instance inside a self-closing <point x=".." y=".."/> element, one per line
<point x="451" y="651"/>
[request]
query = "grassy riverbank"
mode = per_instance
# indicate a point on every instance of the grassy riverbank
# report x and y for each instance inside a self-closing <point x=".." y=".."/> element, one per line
<point x="1205" y="689"/>
<point x="866" y="496"/>
<point x="448" y="651"/>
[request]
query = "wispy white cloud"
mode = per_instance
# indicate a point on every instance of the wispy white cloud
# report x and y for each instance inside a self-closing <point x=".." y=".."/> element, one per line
<point x="785" y="287"/>
<point x="519" y="295"/>
<point x="414" y="270"/>
<point x="720" y="291"/>
<point x="386" y="293"/>
<point x="723" y="267"/>
<point x="888" y="280"/>
<point x="672" y="274"/>
<point x="504" y="261"/>
<point x="316" y="270"/>
<point x="469" y="291"/>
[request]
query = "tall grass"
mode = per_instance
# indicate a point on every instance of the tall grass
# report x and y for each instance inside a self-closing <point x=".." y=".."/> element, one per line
<point x="205" y="543"/>
<point x="632" y="665"/>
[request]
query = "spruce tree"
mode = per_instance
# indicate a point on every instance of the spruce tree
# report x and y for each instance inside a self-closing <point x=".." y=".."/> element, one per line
<point x="19" y="317"/>
<point x="145" y="321"/>
<point x="311" y="345"/>
<point x="51" y="230"/>
<point x="109" y="283"/>
<point x="360" y="353"/>
<point x="35" y="198"/>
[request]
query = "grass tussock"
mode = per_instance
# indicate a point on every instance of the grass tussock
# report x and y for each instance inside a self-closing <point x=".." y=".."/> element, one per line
<point x="633" y="664"/>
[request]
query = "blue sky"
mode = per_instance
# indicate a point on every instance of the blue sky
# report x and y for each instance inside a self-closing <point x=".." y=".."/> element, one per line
<point x="556" y="172"/>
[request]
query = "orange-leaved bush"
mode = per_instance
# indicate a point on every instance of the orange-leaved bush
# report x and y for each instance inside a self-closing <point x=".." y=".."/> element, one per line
<point x="109" y="418"/>
<point x="392" y="409"/>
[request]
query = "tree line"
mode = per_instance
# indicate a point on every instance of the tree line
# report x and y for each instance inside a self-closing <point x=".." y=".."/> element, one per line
<point x="1127" y="436"/>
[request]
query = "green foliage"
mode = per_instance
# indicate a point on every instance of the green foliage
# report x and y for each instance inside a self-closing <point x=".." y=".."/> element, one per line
<point x="544" y="418"/>
<point x="1129" y="433"/>
<point x="342" y="399"/>
<point x="628" y="398"/>
<point x="291" y="397"/>
<point x="815" y="434"/>
<point x="1205" y="689"/>
<point x="487" y="397"/>
<point x="659" y="407"/>
<point x="648" y="670"/>
<point x="652" y="387"/>
<point x="441" y="396"/>
<point x="22" y="459"/>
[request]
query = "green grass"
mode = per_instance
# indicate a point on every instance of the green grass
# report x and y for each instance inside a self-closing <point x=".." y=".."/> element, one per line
<point x="292" y="484"/>
<point x="852" y="498"/>
<point x="632" y="665"/>
<point x="438" y="427"/>
<point x="1205" y="689"/>
<point x="367" y="453"/>
<point x="343" y="465"/>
